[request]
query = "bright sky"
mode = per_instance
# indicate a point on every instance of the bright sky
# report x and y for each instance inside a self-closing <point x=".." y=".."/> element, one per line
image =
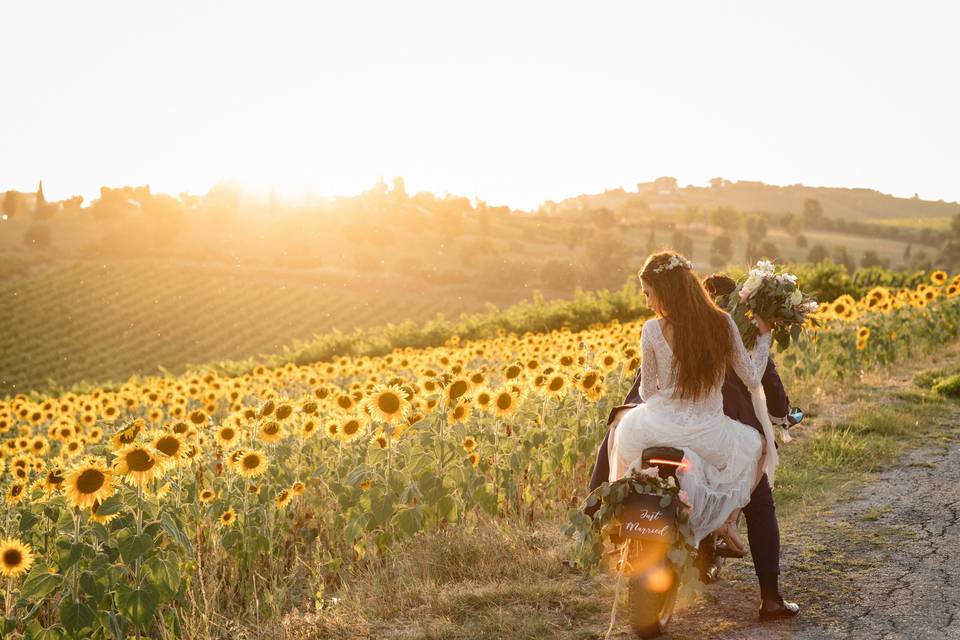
<point x="512" y="101"/>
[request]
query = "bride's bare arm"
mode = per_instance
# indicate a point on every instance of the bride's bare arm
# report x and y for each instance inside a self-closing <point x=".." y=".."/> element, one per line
<point x="751" y="364"/>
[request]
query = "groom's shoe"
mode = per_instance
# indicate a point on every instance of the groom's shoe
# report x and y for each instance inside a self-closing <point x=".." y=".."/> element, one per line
<point x="778" y="609"/>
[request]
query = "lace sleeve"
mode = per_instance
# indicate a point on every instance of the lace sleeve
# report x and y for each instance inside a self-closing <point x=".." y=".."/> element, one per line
<point x="648" y="362"/>
<point x="751" y="364"/>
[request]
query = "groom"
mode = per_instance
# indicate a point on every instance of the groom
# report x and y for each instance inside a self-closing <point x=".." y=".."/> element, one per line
<point x="762" y="529"/>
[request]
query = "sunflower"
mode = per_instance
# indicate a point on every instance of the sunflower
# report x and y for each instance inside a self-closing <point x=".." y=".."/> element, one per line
<point x="207" y="495"/>
<point x="53" y="479"/>
<point x="381" y="441"/>
<point x="483" y="400"/>
<point x="459" y="413"/>
<point x="333" y="429"/>
<point x="308" y="427"/>
<point x="608" y="362"/>
<point x="388" y="403"/>
<point x="861" y="344"/>
<point x="504" y="403"/>
<point x="138" y="465"/>
<point x="366" y="484"/>
<point x="128" y="435"/>
<point x="590" y="380"/>
<point x="938" y="278"/>
<point x="228" y="517"/>
<point x="252" y="462"/>
<point x="469" y="444"/>
<point x="283" y="411"/>
<point x="227" y="436"/>
<point x="170" y="446"/>
<point x="16" y="492"/>
<point x="350" y="429"/>
<point x="16" y="557"/>
<point x="87" y="482"/>
<point x="556" y="385"/>
<point x="198" y="417"/>
<point x="345" y="401"/>
<point x="297" y="488"/>
<point x="456" y="389"/>
<point x="283" y="498"/>
<point x="863" y="333"/>
<point x="39" y="446"/>
<point x="271" y="431"/>
<point x="253" y="489"/>
<point x="474" y="459"/>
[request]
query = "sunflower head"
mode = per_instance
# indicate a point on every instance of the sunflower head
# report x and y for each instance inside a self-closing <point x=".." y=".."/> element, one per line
<point x="16" y="557"/>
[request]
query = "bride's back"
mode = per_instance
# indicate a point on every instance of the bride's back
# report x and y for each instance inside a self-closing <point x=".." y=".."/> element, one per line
<point x="699" y="336"/>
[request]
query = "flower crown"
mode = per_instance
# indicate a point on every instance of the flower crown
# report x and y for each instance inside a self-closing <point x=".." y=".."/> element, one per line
<point x="674" y="262"/>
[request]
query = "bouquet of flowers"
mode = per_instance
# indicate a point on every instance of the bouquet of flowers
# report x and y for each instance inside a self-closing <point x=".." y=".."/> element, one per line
<point x="773" y="295"/>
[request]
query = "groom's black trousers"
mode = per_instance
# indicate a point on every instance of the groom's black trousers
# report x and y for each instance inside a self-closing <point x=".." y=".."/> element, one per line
<point x="763" y="532"/>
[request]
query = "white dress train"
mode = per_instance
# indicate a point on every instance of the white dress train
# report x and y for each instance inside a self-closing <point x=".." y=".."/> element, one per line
<point x="721" y="453"/>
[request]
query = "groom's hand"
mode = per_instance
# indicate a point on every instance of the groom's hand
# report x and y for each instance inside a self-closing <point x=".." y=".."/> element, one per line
<point x="763" y="327"/>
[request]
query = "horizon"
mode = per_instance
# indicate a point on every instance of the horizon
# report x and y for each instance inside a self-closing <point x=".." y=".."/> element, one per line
<point x="514" y="105"/>
<point x="306" y="197"/>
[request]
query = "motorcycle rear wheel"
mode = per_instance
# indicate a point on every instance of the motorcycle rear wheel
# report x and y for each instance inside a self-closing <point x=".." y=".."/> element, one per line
<point x="650" y="611"/>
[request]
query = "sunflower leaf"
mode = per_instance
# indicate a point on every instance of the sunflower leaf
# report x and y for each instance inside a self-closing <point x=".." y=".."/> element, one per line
<point x="39" y="582"/>
<point x="110" y="506"/>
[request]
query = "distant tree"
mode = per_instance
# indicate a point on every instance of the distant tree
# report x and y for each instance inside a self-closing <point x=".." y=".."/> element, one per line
<point x="483" y="217"/>
<point x="801" y="241"/>
<point x="37" y="237"/>
<point x="690" y="215"/>
<point x="949" y="254"/>
<point x="955" y="224"/>
<point x="756" y="228"/>
<point x="769" y="251"/>
<point x="603" y="218"/>
<point x="559" y="275"/>
<point x="817" y="253"/>
<point x="840" y="256"/>
<point x="42" y="210"/>
<point x="683" y="244"/>
<point x="721" y="250"/>
<point x="792" y="223"/>
<point x="11" y="204"/>
<point x="872" y="259"/>
<point x="727" y="218"/>
<point x="606" y="259"/>
<point x="812" y="212"/>
<point x="652" y="242"/>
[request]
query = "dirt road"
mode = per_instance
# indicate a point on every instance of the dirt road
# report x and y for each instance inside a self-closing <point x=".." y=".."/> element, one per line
<point x="882" y="565"/>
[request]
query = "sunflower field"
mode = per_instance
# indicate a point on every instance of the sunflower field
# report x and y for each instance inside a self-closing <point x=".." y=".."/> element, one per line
<point x="169" y="505"/>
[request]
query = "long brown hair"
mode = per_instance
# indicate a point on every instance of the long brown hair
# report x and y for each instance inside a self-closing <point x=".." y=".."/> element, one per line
<point x="701" y="332"/>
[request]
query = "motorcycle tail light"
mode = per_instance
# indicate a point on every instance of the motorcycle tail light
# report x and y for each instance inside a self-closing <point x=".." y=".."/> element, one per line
<point x="680" y="465"/>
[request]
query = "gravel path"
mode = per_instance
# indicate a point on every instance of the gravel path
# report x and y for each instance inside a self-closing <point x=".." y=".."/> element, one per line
<point x="883" y="565"/>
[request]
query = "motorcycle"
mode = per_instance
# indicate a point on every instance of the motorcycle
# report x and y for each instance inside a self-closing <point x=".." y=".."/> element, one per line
<point x="649" y="531"/>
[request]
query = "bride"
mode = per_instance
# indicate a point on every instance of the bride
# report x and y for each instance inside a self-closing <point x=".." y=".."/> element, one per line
<point x="686" y="350"/>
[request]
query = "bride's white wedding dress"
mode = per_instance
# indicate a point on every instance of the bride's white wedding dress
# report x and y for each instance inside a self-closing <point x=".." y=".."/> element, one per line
<point x="721" y="453"/>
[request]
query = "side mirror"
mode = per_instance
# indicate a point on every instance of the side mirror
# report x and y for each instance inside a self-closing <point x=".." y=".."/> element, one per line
<point x="795" y="416"/>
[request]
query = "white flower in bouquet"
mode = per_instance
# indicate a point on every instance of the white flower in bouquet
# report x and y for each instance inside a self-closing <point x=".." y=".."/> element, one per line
<point x="776" y="298"/>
